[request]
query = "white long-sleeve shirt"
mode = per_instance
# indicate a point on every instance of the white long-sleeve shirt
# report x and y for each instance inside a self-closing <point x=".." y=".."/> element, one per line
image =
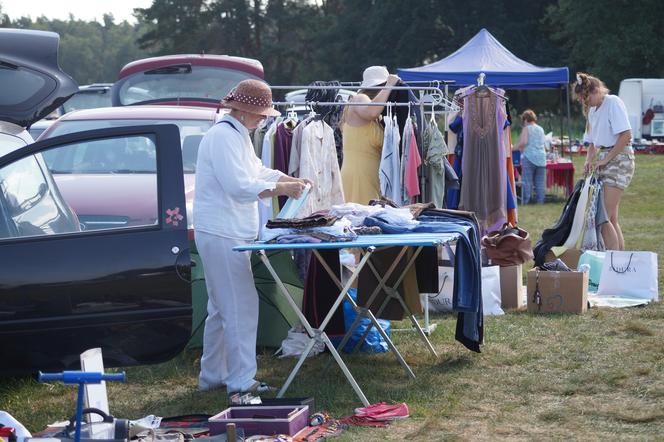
<point x="318" y="163"/>
<point x="229" y="178"/>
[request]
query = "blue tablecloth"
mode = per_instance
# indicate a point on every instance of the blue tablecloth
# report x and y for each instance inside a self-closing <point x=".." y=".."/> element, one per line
<point x="401" y="239"/>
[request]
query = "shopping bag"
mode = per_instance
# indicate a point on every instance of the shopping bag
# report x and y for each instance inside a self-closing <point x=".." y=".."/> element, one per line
<point x="374" y="342"/>
<point x="629" y="275"/>
<point x="491" y="298"/>
<point x="595" y="261"/>
<point x="442" y="300"/>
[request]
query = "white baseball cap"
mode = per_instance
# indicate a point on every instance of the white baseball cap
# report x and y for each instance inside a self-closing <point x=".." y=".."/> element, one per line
<point x="374" y="75"/>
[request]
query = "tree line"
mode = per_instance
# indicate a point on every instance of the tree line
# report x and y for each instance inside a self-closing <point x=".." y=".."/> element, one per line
<point x="299" y="41"/>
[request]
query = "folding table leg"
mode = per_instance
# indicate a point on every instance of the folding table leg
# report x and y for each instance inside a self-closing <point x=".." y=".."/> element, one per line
<point x="367" y="313"/>
<point x="393" y="293"/>
<point x="381" y="284"/>
<point x="317" y="335"/>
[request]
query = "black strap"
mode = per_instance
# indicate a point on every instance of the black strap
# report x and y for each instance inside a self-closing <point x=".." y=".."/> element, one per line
<point x="537" y="296"/>
<point x="106" y="418"/>
<point x="631" y="255"/>
<point x="229" y="123"/>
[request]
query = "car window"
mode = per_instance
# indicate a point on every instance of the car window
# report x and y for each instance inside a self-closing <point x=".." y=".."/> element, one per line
<point x="113" y="155"/>
<point x="19" y="85"/>
<point x="9" y="143"/>
<point x="88" y="100"/>
<point x="191" y="133"/>
<point x="105" y="184"/>
<point x="35" y="132"/>
<point x="180" y="81"/>
<point x="30" y="205"/>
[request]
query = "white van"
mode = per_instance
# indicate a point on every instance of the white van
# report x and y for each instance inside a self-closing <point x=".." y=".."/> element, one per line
<point x="641" y="95"/>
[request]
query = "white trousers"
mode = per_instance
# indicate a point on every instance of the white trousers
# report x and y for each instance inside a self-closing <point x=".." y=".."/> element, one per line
<point x="229" y="340"/>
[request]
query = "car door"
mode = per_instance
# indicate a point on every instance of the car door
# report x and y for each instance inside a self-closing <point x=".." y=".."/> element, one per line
<point x="65" y="286"/>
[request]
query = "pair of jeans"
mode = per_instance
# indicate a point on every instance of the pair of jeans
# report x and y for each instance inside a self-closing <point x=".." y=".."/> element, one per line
<point x="532" y="175"/>
<point x="467" y="295"/>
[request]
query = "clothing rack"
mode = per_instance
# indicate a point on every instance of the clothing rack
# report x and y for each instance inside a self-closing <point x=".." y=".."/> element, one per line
<point x="342" y="103"/>
<point x="428" y="94"/>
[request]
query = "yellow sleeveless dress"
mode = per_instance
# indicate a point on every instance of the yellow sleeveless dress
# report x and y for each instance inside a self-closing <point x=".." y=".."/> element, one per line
<point x="362" y="147"/>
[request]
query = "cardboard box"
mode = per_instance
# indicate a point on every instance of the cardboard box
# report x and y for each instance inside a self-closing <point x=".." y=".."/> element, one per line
<point x="570" y="257"/>
<point x="511" y="287"/>
<point x="561" y="292"/>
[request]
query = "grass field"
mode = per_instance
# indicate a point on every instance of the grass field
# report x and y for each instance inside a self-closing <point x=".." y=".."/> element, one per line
<point x="591" y="377"/>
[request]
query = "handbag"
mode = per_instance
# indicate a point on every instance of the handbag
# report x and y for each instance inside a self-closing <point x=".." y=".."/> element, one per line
<point x="629" y="275"/>
<point x="508" y="246"/>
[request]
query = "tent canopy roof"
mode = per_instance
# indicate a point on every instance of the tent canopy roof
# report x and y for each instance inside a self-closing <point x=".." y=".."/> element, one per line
<point x="483" y="53"/>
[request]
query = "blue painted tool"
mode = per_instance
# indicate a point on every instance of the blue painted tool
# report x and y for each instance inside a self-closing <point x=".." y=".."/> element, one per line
<point x="81" y="378"/>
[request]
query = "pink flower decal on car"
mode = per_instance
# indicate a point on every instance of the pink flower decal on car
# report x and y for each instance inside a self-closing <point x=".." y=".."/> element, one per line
<point x="173" y="216"/>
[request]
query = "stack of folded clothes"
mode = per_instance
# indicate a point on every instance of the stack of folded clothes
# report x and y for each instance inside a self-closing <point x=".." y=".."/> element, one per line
<point x="313" y="229"/>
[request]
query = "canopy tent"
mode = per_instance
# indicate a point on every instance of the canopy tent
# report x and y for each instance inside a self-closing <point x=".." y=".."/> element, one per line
<point x="483" y="53"/>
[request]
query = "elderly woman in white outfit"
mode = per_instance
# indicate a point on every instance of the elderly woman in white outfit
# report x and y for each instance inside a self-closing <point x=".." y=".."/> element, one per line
<point x="230" y="181"/>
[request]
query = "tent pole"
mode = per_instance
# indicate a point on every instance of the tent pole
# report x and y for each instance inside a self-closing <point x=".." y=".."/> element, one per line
<point x="562" y="118"/>
<point x="569" y="121"/>
<point x="424" y="175"/>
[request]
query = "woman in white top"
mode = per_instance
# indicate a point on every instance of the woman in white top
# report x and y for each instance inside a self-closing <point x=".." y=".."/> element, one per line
<point x="609" y="133"/>
<point x="230" y="180"/>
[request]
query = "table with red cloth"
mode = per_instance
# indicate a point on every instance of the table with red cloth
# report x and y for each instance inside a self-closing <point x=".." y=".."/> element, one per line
<point x="560" y="174"/>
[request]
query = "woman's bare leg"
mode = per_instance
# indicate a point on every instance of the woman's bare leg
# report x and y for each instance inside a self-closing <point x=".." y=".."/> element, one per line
<point x="611" y="232"/>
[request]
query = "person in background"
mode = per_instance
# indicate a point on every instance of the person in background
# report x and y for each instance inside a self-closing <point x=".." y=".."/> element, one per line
<point x="610" y="134"/>
<point x="532" y="144"/>
<point x="362" y="136"/>
<point x="230" y="181"/>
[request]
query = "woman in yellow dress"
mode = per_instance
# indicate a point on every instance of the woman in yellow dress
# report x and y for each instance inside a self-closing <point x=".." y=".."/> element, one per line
<point x="362" y="135"/>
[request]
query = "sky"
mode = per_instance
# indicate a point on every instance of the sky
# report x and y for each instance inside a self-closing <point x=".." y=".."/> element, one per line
<point x="82" y="9"/>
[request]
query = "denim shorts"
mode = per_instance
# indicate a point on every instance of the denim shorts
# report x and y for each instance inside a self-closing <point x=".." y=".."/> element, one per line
<point x="620" y="170"/>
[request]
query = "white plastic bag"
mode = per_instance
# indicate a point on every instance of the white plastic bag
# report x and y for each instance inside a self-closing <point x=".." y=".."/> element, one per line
<point x="629" y="275"/>
<point x="295" y="343"/>
<point x="442" y="301"/>
<point x="491" y="298"/>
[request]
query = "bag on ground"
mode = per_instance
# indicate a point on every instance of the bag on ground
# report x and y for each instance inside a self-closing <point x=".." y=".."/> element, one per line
<point x="629" y="275"/>
<point x="491" y="298"/>
<point x="374" y="342"/>
<point x="595" y="261"/>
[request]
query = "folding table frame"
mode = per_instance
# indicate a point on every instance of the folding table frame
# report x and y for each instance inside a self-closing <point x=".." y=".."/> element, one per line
<point x="369" y="244"/>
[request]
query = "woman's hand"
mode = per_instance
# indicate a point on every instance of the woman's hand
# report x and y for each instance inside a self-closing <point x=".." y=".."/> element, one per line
<point x="601" y="163"/>
<point x="291" y="189"/>
<point x="392" y="80"/>
<point x="587" y="166"/>
<point x="308" y="181"/>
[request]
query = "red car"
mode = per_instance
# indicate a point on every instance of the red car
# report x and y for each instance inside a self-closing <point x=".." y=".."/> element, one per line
<point x="183" y="80"/>
<point x="119" y="172"/>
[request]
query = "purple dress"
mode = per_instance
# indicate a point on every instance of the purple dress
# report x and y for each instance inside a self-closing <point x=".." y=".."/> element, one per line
<point x="283" y="140"/>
